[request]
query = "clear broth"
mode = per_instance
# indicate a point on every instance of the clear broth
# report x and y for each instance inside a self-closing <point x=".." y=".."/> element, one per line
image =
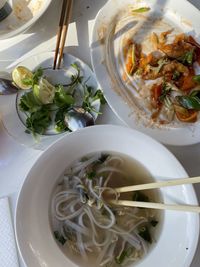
<point x="136" y="174"/>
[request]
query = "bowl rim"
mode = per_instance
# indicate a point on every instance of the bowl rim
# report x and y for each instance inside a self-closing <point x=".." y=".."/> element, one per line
<point x="115" y="128"/>
<point x="28" y="24"/>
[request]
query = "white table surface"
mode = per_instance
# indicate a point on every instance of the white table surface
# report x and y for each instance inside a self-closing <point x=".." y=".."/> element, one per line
<point x="15" y="159"/>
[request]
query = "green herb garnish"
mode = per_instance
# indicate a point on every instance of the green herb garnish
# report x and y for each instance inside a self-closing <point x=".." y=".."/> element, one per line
<point x="189" y="102"/>
<point x="141" y="10"/>
<point x="196" y="78"/>
<point x="153" y="223"/>
<point x="41" y="114"/>
<point x="161" y="63"/>
<point x="139" y="196"/>
<point x="59" y="120"/>
<point x="37" y="122"/>
<point x="29" y="103"/>
<point x="76" y="78"/>
<point x="99" y="95"/>
<point x="176" y="75"/>
<point x="59" y="237"/>
<point x="36" y="77"/>
<point x="62" y="98"/>
<point x="145" y="234"/>
<point x="166" y="90"/>
<point x="89" y="98"/>
<point x="195" y="93"/>
<point x="91" y="175"/>
<point x="187" y="58"/>
<point x="120" y="259"/>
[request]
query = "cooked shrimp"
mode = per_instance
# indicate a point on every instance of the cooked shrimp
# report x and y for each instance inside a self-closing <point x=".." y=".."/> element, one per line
<point x="175" y="65"/>
<point x="176" y="50"/>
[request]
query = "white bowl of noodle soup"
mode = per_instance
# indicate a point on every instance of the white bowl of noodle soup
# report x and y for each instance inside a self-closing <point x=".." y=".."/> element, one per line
<point x="176" y="239"/>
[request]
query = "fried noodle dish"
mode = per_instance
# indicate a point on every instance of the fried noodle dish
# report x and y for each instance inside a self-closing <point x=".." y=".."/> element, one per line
<point x="172" y="86"/>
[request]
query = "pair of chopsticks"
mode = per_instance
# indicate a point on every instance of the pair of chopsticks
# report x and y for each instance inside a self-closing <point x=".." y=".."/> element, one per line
<point x="152" y="205"/>
<point x="65" y="17"/>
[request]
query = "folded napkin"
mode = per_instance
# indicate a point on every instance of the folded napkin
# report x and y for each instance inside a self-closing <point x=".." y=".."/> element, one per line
<point x="8" y="251"/>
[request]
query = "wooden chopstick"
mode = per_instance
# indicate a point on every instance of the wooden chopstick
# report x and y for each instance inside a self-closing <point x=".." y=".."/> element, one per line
<point x="155" y="185"/>
<point x="62" y="17"/>
<point x="152" y="205"/>
<point x="62" y="31"/>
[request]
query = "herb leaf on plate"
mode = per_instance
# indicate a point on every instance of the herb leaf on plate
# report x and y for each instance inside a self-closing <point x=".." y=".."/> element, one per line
<point x="35" y="79"/>
<point x="99" y="95"/>
<point x="187" y="58"/>
<point x="141" y="10"/>
<point x="90" y="97"/>
<point x="75" y="79"/>
<point x="37" y="75"/>
<point x="145" y="234"/>
<point x="59" y="120"/>
<point x="62" y="98"/>
<point x="189" y="102"/>
<point x="46" y="105"/>
<point x="38" y="121"/>
<point x="29" y="102"/>
<point x="166" y="90"/>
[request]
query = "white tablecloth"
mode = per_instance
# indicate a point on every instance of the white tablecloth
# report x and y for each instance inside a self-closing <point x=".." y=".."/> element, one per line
<point x="15" y="159"/>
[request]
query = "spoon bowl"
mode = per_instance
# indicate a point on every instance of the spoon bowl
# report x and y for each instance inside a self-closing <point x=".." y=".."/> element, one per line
<point x="77" y="118"/>
<point x="7" y="87"/>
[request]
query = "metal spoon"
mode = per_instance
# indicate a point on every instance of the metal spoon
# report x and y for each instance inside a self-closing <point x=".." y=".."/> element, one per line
<point x="5" y="9"/>
<point x="77" y="118"/>
<point x="7" y="87"/>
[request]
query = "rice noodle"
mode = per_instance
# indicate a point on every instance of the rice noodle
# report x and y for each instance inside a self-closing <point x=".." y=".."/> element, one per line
<point x="90" y="226"/>
<point x="110" y="169"/>
<point x="78" y="228"/>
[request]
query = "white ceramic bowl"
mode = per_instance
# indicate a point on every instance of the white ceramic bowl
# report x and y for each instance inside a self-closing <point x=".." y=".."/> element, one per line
<point x="179" y="236"/>
<point x="24" y="15"/>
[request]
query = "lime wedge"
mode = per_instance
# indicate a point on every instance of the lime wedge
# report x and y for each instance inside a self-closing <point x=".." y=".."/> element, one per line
<point x="44" y="91"/>
<point x="22" y="77"/>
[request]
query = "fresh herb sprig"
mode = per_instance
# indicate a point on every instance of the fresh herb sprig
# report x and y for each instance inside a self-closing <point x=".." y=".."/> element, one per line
<point x="29" y="103"/>
<point x="166" y="91"/>
<point x="141" y="10"/>
<point x="35" y="79"/>
<point x="189" y="102"/>
<point x="187" y="58"/>
<point x="40" y="116"/>
<point x="196" y="78"/>
<point x="37" y="122"/>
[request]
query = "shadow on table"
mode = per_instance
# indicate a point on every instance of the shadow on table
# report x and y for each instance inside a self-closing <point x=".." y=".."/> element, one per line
<point x="40" y="32"/>
<point x="85" y="11"/>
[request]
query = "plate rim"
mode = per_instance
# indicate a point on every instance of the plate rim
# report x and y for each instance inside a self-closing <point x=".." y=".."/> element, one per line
<point x="158" y="133"/>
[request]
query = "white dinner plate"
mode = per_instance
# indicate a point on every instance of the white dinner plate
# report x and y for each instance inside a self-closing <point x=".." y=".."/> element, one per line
<point x="176" y="245"/>
<point x="14" y="119"/>
<point x="179" y="14"/>
<point x="24" y="14"/>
